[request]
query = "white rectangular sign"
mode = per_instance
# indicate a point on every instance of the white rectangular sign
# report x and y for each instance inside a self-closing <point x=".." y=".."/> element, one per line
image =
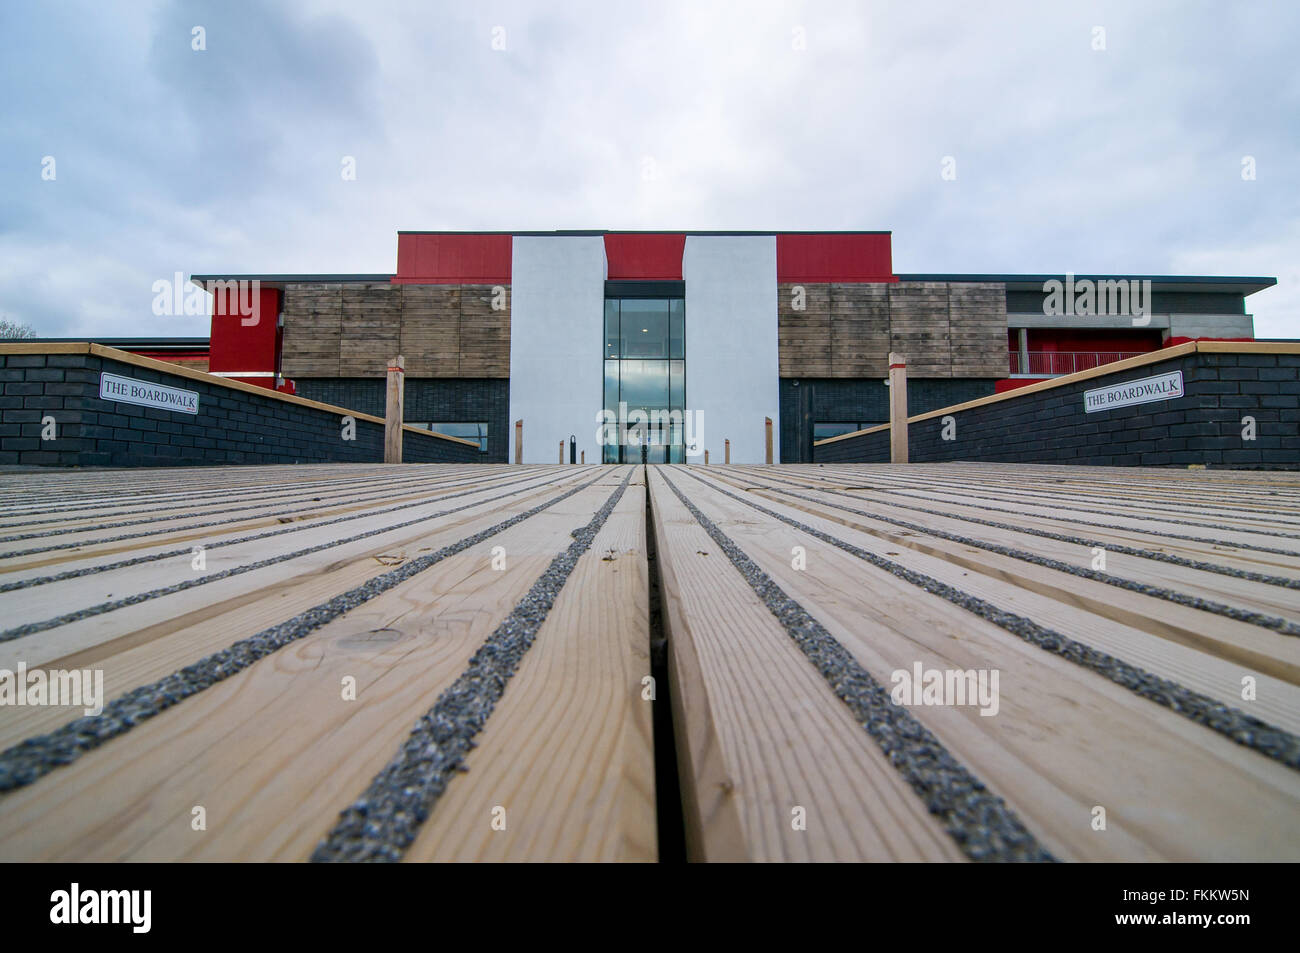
<point x="147" y="394"/>
<point x="1160" y="387"/>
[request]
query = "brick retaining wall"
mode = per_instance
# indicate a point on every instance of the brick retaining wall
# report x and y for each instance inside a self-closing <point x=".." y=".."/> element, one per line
<point x="1049" y="424"/>
<point x="234" y="424"/>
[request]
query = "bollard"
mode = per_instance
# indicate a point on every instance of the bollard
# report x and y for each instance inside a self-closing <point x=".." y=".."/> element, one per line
<point x="393" y="410"/>
<point x="768" y="428"/>
<point x="519" y="441"/>
<point x="897" y="408"/>
<point x="726" y="451"/>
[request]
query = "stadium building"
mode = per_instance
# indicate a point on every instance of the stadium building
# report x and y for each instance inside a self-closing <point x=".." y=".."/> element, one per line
<point x="696" y="339"/>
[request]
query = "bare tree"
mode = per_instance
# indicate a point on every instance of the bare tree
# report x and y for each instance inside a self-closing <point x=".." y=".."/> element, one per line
<point x="15" y="329"/>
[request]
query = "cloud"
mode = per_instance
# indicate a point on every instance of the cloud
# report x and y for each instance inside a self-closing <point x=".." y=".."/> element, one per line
<point x="749" y="115"/>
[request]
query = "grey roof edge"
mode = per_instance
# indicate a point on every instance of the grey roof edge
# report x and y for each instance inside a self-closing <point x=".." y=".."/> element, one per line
<point x="282" y="279"/>
<point x="1229" y="283"/>
<point x="1238" y="284"/>
<point x="117" y="341"/>
<point x="593" y="232"/>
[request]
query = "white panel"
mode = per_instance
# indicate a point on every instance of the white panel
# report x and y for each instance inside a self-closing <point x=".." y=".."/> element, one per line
<point x="732" y="370"/>
<point x="557" y="315"/>
<point x="1212" y="325"/>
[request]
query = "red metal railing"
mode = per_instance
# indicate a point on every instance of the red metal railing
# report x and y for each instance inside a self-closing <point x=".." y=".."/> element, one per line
<point x="1056" y="363"/>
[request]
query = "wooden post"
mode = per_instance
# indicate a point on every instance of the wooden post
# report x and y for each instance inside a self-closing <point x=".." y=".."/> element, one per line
<point x="768" y="428"/>
<point x="519" y="441"/>
<point x="561" y="451"/>
<point x="897" y="408"/>
<point x="706" y="458"/>
<point x="726" y="450"/>
<point x="393" y="410"/>
<point x="583" y="456"/>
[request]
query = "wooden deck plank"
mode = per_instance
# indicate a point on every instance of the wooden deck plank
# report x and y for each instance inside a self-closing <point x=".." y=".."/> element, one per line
<point x="568" y="752"/>
<point x="1158" y="773"/>
<point x="1115" y="608"/>
<point x="140" y="644"/>
<point x="1198" y="592"/>
<point x="764" y="733"/>
<point x="275" y="751"/>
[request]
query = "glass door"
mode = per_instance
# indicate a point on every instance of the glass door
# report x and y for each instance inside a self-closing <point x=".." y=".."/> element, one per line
<point x="645" y="376"/>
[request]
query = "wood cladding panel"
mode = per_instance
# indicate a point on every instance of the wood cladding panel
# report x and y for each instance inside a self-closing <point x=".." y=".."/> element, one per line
<point x="312" y="330"/>
<point x="430" y="331"/>
<point x="803" y="330"/>
<point x="804" y="342"/>
<point x="372" y="297"/>
<point x="371" y="328"/>
<point x="335" y="330"/>
<point x="847" y="330"/>
<point x="484" y="333"/>
<point x="919" y="327"/>
<point x="824" y="330"/>
<point x="978" y="316"/>
<point x="860" y="330"/>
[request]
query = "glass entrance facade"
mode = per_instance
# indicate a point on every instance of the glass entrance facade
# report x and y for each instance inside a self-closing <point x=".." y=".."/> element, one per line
<point x="645" y="378"/>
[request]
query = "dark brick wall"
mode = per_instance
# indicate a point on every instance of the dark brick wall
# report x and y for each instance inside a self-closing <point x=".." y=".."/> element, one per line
<point x="806" y="401"/>
<point x="232" y="426"/>
<point x="1202" y="427"/>
<point x="436" y="400"/>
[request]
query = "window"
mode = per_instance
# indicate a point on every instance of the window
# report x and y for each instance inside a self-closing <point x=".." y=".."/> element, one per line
<point x="476" y="432"/>
<point x="677" y="328"/>
<point x="611" y="329"/>
<point x="645" y="369"/>
<point x="644" y="328"/>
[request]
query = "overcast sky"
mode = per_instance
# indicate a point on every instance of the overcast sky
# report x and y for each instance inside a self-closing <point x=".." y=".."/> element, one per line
<point x="674" y="115"/>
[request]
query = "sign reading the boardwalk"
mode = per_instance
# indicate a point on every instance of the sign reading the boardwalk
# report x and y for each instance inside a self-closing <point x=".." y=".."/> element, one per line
<point x="1160" y="387"/>
<point x="147" y="394"/>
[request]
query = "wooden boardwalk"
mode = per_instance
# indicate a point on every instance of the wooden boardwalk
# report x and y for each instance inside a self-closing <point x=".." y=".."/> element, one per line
<point x="352" y="662"/>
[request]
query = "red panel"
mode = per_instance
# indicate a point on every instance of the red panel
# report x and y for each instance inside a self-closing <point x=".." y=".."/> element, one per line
<point x="1174" y="341"/>
<point x="1081" y="339"/>
<point x="645" y="257"/>
<point x="245" y="341"/>
<point x="446" y="259"/>
<point x="835" y="257"/>
<point x="1011" y="383"/>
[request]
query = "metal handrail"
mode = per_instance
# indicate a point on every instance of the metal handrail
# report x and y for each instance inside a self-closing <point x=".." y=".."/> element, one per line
<point x="1057" y="363"/>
